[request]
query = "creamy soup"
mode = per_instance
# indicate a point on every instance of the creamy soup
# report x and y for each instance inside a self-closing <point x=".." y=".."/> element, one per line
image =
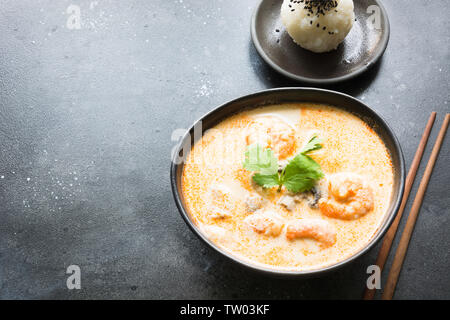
<point x="273" y="226"/>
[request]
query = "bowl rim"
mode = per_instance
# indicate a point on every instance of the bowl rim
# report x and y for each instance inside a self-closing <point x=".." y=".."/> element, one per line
<point x="384" y="43"/>
<point x="267" y="270"/>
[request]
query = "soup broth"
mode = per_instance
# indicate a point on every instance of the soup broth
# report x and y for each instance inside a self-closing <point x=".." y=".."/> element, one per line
<point x="274" y="227"/>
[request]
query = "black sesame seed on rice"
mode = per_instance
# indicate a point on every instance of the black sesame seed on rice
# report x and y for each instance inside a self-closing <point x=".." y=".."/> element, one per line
<point x="319" y="7"/>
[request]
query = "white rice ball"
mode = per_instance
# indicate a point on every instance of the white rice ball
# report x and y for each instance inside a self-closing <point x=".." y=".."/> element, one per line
<point x="308" y="30"/>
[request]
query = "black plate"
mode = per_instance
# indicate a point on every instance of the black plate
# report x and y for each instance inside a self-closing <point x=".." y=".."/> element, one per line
<point x="295" y="95"/>
<point x="361" y="49"/>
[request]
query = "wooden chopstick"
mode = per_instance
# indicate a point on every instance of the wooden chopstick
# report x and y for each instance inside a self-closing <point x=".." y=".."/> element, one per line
<point x="407" y="232"/>
<point x="390" y="235"/>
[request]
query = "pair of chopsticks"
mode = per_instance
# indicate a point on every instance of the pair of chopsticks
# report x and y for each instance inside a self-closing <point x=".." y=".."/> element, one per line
<point x="400" y="254"/>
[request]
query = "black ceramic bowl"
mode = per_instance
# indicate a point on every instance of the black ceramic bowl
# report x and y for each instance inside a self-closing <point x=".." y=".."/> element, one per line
<point x="293" y="95"/>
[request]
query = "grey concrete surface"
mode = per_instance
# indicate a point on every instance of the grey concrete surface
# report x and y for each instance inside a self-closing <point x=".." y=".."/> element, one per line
<point x="86" y="118"/>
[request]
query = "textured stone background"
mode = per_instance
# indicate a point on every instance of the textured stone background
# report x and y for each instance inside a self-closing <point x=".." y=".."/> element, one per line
<point x="86" y="118"/>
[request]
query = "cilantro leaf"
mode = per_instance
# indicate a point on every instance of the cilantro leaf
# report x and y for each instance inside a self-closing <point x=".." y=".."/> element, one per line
<point x="314" y="144"/>
<point x="267" y="181"/>
<point x="301" y="173"/>
<point x="260" y="160"/>
<point x="299" y="183"/>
